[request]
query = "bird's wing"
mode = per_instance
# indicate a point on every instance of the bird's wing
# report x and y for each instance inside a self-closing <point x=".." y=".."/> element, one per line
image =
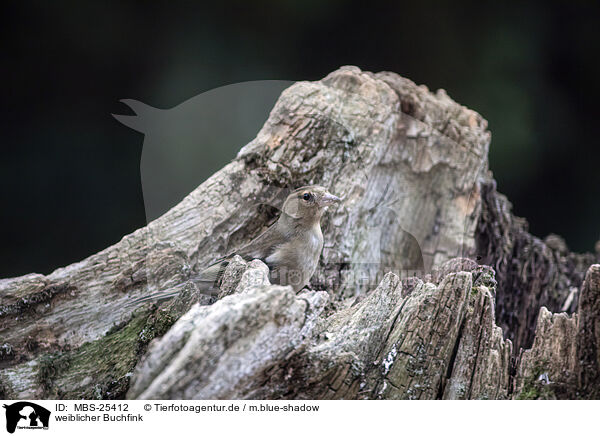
<point x="259" y="248"/>
<point x="263" y="245"/>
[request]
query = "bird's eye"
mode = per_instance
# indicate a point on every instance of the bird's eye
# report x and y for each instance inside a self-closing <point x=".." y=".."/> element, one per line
<point x="306" y="196"/>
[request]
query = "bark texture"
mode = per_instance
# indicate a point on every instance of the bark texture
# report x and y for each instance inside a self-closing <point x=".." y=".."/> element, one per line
<point x="396" y="310"/>
<point x="531" y="272"/>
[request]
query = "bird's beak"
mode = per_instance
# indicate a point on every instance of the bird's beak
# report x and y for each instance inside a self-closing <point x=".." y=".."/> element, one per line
<point x="328" y="199"/>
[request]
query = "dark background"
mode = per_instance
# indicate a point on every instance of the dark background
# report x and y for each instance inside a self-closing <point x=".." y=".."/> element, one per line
<point x="69" y="173"/>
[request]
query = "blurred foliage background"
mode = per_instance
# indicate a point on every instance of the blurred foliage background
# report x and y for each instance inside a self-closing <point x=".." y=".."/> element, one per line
<point x="69" y="173"/>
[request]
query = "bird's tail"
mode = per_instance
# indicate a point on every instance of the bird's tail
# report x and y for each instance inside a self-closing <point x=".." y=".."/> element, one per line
<point x="206" y="283"/>
<point x="155" y="297"/>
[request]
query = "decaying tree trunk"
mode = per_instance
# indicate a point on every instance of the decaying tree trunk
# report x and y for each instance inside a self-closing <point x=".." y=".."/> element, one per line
<point x="397" y="310"/>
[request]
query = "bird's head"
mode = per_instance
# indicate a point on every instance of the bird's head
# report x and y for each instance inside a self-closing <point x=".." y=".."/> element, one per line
<point x="308" y="202"/>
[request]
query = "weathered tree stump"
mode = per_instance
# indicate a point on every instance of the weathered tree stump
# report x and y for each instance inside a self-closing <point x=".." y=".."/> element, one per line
<point x="396" y="310"/>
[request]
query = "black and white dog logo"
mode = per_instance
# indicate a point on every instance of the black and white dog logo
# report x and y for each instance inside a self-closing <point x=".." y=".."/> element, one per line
<point x="26" y="415"/>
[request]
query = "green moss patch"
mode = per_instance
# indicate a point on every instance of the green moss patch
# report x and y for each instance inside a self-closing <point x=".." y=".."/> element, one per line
<point x="98" y="369"/>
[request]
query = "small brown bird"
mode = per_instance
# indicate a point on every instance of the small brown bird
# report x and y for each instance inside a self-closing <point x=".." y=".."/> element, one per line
<point x="291" y="246"/>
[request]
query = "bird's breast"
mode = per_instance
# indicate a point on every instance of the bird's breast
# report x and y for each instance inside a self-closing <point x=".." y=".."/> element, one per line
<point x="299" y="254"/>
<point x="294" y="261"/>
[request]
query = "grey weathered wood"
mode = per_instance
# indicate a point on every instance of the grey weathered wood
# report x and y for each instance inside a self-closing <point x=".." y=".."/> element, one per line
<point x="564" y="359"/>
<point x="218" y="351"/>
<point x="411" y="166"/>
<point x="531" y="272"/>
